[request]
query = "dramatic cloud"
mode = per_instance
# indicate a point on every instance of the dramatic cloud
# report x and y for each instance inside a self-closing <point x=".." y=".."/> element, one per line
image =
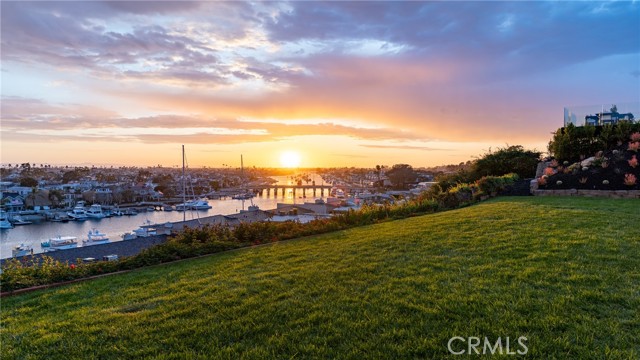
<point x="391" y="72"/>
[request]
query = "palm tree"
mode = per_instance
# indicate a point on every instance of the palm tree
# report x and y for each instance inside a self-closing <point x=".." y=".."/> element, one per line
<point x="32" y="196"/>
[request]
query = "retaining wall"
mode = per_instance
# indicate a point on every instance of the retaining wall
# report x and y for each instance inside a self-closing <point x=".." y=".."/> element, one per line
<point x="622" y="194"/>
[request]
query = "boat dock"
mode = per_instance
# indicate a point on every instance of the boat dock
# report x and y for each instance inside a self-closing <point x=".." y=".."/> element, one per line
<point x="132" y="247"/>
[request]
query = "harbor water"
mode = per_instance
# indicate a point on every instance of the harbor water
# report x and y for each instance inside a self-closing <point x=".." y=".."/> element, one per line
<point x="115" y="227"/>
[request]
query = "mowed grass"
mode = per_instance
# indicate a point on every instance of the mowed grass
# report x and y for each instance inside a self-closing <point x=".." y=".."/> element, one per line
<point x="563" y="272"/>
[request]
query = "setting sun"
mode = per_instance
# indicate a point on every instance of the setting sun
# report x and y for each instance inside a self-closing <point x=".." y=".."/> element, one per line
<point x="290" y="159"/>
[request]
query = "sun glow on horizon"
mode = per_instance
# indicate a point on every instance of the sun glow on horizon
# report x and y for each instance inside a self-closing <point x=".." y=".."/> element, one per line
<point x="290" y="159"/>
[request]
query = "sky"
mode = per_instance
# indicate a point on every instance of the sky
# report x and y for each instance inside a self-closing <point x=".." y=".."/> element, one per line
<point x="337" y="83"/>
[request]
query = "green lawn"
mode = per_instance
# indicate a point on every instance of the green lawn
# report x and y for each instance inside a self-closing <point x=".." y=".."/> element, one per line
<point x="564" y="272"/>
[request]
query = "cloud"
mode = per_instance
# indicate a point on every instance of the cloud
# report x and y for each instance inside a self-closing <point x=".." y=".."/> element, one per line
<point x="377" y="71"/>
<point x="503" y="38"/>
<point x="403" y="147"/>
<point x="153" y="7"/>
<point x="32" y="117"/>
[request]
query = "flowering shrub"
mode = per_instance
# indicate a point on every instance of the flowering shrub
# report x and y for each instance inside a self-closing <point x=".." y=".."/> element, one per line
<point x="549" y="171"/>
<point x="633" y="162"/>
<point x="634" y="146"/>
<point x="630" y="179"/>
<point x="635" y="136"/>
<point x="542" y="180"/>
<point x="553" y="163"/>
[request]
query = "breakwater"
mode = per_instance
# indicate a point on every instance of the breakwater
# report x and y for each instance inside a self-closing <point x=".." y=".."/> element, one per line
<point x="120" y="248"/>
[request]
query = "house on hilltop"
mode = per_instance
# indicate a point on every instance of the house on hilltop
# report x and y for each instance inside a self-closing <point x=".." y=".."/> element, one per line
<point x="596" y="115"/>
<point x="608" y="118"/>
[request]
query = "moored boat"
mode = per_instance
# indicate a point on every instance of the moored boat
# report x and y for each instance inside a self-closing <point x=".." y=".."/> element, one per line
<point x="243" y="196"/>
<point x="18" y="220"/>
<point x="78" y="213"/>
<point x="95" y="237"/>
<point x="4" y="221"/>
<point x="130" y="211"/>
<point x="116" y="212"/>
<point x="60" y="243"/>
<point x="200" y="204"/>
<point x="146" y="229"/>
<point x="95" y="212"/>
<point x="22" y="250"/>
<point x="59" y="218"/>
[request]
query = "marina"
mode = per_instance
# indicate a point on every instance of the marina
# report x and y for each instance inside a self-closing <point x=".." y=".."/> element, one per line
<point x="115" y="227"/>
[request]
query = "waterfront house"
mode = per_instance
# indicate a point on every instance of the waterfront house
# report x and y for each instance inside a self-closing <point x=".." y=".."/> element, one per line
<point x="12" y="201"/>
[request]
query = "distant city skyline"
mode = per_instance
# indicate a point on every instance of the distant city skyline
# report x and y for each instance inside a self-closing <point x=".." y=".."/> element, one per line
<point x="310" y="84"/>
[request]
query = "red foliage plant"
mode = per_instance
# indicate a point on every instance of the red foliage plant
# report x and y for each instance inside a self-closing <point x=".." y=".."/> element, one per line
<point x="630" y="179"/>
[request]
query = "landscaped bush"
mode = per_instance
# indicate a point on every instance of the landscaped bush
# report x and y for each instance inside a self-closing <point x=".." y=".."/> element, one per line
<point x="512" y="159"/>
<point x="612" y="169"/>
<point x="574" y="143"/>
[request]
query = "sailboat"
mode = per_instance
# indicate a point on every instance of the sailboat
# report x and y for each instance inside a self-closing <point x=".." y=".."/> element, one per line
<point x="247" y="195"/>
<point x="195" y="204"/>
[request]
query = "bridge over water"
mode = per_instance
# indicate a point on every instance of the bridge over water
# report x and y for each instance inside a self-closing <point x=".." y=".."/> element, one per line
<point x="283" y="189"/>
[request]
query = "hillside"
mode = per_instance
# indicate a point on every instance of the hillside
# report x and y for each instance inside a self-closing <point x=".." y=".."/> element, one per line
<point x="562" y="272"/>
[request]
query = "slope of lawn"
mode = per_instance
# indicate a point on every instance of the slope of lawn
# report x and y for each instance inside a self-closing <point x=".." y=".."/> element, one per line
<point x="563" y="272"/>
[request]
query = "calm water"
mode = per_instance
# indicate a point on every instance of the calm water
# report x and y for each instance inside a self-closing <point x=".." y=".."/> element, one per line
<point x="114" y="227"/>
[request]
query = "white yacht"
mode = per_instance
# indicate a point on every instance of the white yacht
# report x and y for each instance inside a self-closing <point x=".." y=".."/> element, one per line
<point x="78" y="213"/>
<point x="4" y="221"/>
<point x="60" y="243"/>
<point x="95" y="212"/>
<point x="200" y="204"/>
<point x="146" y="229"/>
<point x="95" y="237"/>
<point x="19" y="220"/>
<point x="22" y="250"/>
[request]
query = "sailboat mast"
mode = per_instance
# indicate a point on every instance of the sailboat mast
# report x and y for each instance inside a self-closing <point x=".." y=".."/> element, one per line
<point x="184" y="190"/>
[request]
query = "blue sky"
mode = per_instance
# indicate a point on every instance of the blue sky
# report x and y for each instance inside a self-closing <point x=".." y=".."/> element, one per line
<point x="341" y="83"/>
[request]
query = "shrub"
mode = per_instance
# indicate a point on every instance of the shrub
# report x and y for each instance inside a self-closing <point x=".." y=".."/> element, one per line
<point x="570" y="142"/>
<point x="512" y="159"/>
